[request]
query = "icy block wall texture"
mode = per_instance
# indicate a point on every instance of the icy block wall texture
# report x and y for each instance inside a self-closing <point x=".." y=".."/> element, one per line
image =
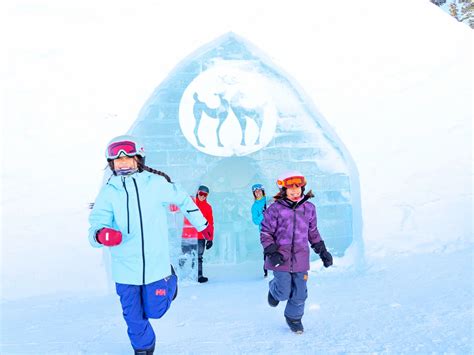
<point x="227" y="118"/>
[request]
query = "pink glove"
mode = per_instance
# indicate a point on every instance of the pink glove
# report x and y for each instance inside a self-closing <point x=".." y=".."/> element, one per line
<point x="109" y="237"/>
<point x="208" y="232"/>
<point x="173" y="208"/>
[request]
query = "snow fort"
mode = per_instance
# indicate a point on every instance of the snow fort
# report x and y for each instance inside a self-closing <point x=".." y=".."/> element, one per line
<point x="227" y="118"/>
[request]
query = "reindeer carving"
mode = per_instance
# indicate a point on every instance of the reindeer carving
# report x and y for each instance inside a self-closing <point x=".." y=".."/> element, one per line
<point x="242" y="113"/>
<point x="222" y="112"/>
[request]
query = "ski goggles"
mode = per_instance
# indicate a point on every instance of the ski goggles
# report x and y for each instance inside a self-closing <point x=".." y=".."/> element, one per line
<point x="202" y="193"/>
<point x="123" y="147"/>
<point x="297" y="181"/>
<point x="257" y="187"/>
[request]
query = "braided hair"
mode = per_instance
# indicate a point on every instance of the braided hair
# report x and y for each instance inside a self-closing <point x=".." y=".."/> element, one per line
<point x="142" y="166"/>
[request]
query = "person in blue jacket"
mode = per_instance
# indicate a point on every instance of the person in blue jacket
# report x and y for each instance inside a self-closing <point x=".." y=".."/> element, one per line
<point x="259" y="206"/>
<point x="129" y="217"/>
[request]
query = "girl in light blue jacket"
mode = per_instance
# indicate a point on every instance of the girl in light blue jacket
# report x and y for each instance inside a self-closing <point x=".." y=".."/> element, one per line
<point x="129" y="217"/>
<point x="259" y="206"/>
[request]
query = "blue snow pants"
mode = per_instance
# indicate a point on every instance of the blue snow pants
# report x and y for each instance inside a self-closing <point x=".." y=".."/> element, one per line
<point x="291" y="287"/>
<point x="139" y="303"/>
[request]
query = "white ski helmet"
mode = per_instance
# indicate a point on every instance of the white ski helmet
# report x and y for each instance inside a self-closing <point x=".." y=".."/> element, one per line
<point x="291" y="178"/>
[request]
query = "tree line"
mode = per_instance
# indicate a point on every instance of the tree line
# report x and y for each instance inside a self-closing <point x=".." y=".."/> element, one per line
<point x="461" y="10"/>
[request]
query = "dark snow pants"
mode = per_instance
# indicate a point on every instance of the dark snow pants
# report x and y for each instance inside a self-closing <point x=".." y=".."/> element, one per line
<point x="290" y="286"/>
<point x="188" y="248"/>
<point x="139" y="303"/>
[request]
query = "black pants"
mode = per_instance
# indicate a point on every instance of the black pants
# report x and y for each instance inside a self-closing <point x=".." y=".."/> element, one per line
<point x="189" y="248"/>
<point x="265" y="271"/>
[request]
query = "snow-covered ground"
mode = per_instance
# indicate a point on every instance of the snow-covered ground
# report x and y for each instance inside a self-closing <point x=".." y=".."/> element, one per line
<point x="407" y="304"/>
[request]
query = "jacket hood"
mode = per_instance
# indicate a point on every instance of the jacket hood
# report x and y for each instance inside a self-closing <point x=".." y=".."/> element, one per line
<point x="291" y="204"/>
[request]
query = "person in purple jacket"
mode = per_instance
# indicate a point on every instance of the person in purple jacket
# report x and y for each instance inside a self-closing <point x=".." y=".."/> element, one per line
<point x="288" y="225"/>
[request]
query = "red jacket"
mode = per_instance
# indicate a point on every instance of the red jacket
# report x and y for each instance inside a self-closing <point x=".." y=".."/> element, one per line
<point x="189" y="231"/>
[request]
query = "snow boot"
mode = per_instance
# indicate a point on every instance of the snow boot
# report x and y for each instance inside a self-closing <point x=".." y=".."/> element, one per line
<point x="271" y="300"/>
<point x="202" y="279"/>
<point x="145" y="352"/>
<point x="295" y="325"/>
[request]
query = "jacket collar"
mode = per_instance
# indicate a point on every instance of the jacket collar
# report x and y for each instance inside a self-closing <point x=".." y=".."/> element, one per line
<point x="199" y="202"/>
<point x="117" y="181"/>
<point x="293" y="205"/>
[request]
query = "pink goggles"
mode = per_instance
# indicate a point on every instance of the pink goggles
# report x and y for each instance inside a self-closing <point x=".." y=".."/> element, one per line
<point x="124" y="147"/>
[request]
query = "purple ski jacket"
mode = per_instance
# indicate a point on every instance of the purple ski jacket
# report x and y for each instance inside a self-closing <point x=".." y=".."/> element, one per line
<point x="290" y="225"/>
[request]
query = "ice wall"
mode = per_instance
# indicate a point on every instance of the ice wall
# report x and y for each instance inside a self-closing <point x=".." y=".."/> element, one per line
<point x="226" y="117"/>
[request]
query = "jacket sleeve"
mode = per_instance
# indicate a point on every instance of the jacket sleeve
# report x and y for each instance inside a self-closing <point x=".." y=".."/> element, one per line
<point x="257" y="214"/>
<point x="173" y="193"/>
<point x="210" y="220"/>
<point x="313" y="234"/>
<point x="269" y="226"/>
<point x="209" y="216"/>
<point x="101" y="216"/>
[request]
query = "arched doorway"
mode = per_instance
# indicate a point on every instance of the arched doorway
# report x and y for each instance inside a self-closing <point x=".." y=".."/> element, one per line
<point x="226" y="117"/>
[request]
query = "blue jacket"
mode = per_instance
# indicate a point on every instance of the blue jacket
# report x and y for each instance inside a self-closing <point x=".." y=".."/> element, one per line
<point x="137" y="205"/>
<point x="257" y="211"/>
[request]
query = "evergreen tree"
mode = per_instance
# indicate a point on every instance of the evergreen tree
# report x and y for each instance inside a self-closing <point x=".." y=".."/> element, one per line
<point x="461" y="10"/>
<point x="467" y="12"/>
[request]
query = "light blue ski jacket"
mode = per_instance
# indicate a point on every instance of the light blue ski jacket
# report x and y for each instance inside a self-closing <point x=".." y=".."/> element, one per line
<point x="137" y="205"/>
<point x="258" y="208"/>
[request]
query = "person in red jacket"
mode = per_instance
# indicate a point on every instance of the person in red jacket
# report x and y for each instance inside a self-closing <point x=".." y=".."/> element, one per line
<point x="190" y="234"/>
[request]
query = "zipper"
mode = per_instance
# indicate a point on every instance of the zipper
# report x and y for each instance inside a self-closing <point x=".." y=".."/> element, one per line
<point x="141" y="228"/>
<point x="128" y="212"/>
<point x="293" y="238"/>
<point x="295" y="205"/>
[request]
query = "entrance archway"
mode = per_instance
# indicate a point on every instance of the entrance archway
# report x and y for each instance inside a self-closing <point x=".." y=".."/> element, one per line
<point x="226" y="117"/>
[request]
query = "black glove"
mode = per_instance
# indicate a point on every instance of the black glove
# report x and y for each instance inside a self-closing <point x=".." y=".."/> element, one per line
<point x="320" y="248"/>
<point x="209" y="244"/>
<point x="276" y="259"/>
<point x="326" y="257"/>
